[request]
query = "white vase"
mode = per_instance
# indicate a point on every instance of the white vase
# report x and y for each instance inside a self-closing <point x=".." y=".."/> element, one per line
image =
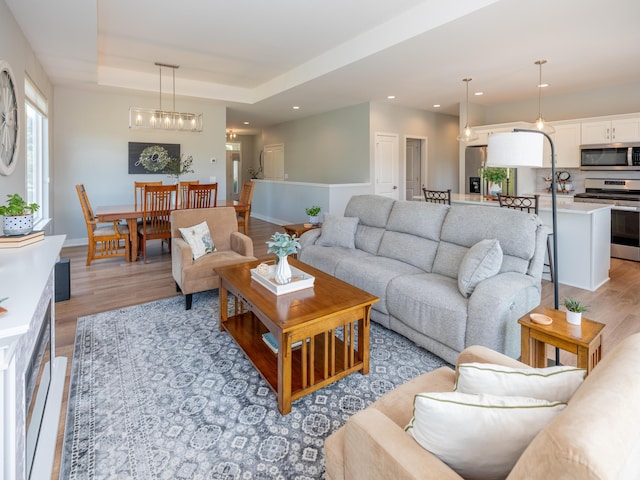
<point x="313" y="219"/>
<point x="17" y="225"/>
<point x="495" y="189"/>
<point x="283" y="271"/>
<point x="574" y="318"/>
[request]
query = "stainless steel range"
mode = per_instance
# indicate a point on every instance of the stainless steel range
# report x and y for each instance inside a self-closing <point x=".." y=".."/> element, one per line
<point x="624" y="195"/>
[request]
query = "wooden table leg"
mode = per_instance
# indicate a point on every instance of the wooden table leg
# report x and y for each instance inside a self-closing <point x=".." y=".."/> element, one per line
<point x="223" y="305"/>
<point x="363" y="340"/>
<point x="284" y="375"/>
<point x="132" y="223"/>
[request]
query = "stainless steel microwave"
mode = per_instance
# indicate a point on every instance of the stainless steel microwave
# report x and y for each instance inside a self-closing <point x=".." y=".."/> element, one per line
<point x="618" y="156"/>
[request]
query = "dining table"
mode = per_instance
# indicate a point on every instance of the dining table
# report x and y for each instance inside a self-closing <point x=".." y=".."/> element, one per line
<point x="131" y="213"/>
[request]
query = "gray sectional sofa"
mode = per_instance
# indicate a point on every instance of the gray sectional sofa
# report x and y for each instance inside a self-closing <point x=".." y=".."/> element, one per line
<point x="448" y="277"/>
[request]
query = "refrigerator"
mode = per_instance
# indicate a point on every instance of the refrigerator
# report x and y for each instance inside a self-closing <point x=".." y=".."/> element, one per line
<point x="474" y="159"/>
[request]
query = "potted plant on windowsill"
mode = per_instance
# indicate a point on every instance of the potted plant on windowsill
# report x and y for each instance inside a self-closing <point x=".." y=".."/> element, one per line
<point x="313" y="213"/>
<point x="574" y="310"/>
<point x="18" y="215"/>
<point x="495" y="176"/>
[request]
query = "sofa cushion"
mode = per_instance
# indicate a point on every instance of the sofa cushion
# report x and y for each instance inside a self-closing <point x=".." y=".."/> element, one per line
<point x="466" y="225"/>
<point x="338" y="231"/>
<point x="552" y="383"/>
<point x="199" y="239"/>
<point x="430" y="304"/>
<point x="481" y="261"/>
<point x="372" y="212"/>
<point x="373" y="275"/>
<point x="479" y="436"/>
<point x="328" y="258"/>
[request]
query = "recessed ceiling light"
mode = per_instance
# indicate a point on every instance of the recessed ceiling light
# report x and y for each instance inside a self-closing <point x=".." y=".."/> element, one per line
<point x="543" y="85"/>
<point x="296" y="107"/>
<point x="246" y="123"/>
<point x="391" y="97"/>
<point x="437" y="105"/>
<point x="477" y="94"/>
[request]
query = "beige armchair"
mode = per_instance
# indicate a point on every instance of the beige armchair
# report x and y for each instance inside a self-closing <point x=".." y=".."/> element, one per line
<point x="595" y="436"/>
<point x="192" y="276"/>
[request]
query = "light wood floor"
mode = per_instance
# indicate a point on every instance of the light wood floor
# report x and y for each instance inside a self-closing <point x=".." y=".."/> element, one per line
<point x="113" y="283"/>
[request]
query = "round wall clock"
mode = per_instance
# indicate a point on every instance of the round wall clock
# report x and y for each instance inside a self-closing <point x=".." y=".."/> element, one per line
<point x="8" y="120"/>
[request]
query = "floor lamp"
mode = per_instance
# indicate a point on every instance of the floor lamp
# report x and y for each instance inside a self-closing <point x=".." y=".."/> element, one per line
<point x="524" y="148"/>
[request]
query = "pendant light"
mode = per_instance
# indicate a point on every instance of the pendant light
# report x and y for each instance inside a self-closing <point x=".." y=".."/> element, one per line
<point x="540" y="123"/>
<point x="467" y="134"/>
<point x="160" y="119"/>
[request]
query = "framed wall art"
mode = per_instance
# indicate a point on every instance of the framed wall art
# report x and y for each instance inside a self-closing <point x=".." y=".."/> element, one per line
<point x="155" y="159"/>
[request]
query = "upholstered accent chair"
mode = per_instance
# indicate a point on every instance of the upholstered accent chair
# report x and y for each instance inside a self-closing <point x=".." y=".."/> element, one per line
<point x="231" y="247"/>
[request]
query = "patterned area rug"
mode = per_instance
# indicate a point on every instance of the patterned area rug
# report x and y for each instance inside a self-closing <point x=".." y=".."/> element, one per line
<point x="158" y="392"/>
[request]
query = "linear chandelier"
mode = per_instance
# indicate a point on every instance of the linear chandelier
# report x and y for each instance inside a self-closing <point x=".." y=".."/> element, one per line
<point x="159" y="119"/>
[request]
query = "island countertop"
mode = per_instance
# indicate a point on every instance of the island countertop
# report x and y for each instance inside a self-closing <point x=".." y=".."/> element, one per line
<point x="564" y="204"/>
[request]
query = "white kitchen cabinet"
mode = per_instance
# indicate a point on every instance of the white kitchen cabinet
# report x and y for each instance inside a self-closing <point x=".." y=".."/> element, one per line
<point x="611" y="131"/>
<point x="566" y="141"/>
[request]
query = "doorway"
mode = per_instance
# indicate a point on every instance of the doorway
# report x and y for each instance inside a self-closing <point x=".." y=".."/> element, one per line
<point x="415" y="167"/>
<point x="386" y="165"/>
<point x="234" y="167"/>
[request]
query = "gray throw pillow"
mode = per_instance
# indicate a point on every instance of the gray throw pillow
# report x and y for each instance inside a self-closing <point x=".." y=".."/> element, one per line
<point x="481" y="261"/>
<point x="338" y="231"/>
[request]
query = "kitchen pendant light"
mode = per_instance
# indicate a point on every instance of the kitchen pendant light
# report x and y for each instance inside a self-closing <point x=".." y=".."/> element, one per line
<point x="540" y="123"/>
<point x="468" y="134"/>
<point x="150" y="118"/>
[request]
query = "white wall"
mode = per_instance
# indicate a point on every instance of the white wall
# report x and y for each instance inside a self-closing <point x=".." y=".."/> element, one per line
<point x="91" y="136"/>
<point x="15" y="50"/>
<point x="331" y="147"/>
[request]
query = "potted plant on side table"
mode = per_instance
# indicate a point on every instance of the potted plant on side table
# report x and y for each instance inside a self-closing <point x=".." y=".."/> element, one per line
<point x="313" y="213"/>
<point x="574" y="310"/>
<point x="18" y="215"/>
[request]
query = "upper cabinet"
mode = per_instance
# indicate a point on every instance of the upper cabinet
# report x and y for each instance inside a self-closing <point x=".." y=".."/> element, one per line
<point x="611" y="131"/>
<point x="566" y="141"/>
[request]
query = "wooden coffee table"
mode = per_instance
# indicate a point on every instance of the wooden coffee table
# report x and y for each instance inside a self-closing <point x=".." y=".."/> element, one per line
<point x="310" y="316"/>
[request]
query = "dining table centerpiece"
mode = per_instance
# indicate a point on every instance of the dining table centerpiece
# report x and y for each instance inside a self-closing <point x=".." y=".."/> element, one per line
<point x="283" y="245"/>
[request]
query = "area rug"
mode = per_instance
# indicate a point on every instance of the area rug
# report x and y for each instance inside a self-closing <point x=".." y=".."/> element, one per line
<point x="158" y="392"/>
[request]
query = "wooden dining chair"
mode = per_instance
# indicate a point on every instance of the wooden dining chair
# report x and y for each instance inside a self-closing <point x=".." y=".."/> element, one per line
<point x="105" y="240"/>
<point x="246" y="196"/>
<point x="138" y="191"/>
<point x="437" y="196"/>
<point x="527" y="204"/>
<point x="202" y="195"/>
<point x="183" y="192"/>
<point x="159" y="200"/>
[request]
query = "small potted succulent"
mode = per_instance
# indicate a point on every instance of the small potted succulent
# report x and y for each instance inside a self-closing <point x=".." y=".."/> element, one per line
<point x="18" y="215"/>
<point x="313" y="213"/>
<point x="574" y="310"/>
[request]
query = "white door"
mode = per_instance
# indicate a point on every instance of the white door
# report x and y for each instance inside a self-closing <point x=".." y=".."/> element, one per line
<point x="413" y="176"/>
<point x="274" y="162"/>
<point x="386" y="165"/>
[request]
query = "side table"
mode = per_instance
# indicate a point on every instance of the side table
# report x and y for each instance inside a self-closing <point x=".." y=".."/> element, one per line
<point x="584" y="340"/>
<point x="298" y="229"/>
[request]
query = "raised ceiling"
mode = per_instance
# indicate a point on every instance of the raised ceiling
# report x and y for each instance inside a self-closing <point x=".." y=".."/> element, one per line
<point x="262" y="58"/>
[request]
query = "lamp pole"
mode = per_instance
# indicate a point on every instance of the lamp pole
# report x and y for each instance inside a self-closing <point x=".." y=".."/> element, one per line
<point x="554" y="213"/>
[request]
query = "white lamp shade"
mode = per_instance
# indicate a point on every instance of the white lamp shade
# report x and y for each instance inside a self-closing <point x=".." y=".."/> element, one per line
<point x="515" y="149"/>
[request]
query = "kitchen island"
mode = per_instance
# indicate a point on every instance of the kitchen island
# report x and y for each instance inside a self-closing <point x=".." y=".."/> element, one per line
<point x="584" y="238"/>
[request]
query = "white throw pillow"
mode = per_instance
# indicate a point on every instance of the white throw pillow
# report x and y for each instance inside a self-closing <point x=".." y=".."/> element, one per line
<point x="338" y="231"/>
<point x="481" y="261"/>
<point x="481" y="437"/>
<point x="199" y="239"/>
<point x="552" y="383"/>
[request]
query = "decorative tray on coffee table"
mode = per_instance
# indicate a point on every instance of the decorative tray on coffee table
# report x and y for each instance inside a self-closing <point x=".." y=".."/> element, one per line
<point x="299" y="280"/>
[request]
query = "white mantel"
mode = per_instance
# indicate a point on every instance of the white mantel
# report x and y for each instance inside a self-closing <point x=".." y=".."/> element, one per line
<point x="27" y="279"/>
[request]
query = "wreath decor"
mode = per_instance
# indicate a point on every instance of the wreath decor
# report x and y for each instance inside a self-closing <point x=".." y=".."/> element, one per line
<point x="155" y="159"/>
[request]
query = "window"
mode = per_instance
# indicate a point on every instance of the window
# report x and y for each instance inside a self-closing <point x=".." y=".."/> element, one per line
<point x="37" y="151"/>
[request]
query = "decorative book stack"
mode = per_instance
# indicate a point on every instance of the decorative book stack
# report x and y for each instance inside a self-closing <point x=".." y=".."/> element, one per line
<point x="14" y="241"/>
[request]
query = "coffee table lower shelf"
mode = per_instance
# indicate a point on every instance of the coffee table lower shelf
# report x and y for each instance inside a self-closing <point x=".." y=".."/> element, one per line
<point x="321" y="360"/>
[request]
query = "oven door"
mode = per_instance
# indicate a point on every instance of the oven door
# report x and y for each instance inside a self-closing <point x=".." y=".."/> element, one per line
<point x="625" y="233"/>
